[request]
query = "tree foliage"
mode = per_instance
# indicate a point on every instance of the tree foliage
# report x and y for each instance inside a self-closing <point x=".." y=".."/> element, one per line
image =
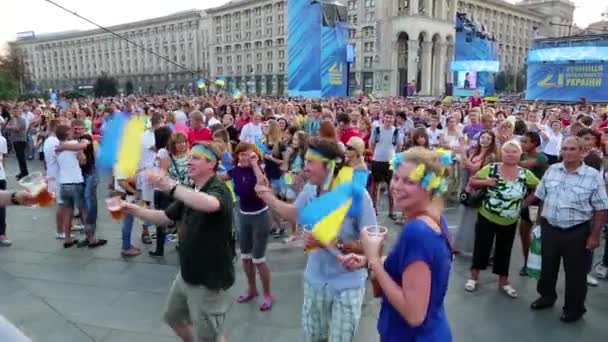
<point x="12" y="75"/>
<point x="129" y="88"/>
<point x="105" y="86"/>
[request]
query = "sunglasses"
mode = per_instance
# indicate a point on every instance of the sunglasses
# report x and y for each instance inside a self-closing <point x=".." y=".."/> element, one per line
<point x="350" y="148"/>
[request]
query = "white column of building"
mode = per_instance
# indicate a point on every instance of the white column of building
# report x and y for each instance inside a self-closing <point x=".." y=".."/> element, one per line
<point x="441" y="9"/>
<point x="426" y="60"/>
<point x="428" y="7"/>
<point x="439" y="77"/>
<point x="448" y="64"/>
<point x="394" y="66"/>
<point x="413" y="7"/>
<point x="412" y="60"/>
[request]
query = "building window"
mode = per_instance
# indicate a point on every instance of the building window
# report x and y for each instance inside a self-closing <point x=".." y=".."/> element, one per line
<point x="281" y="54"/>
<point x="269" y="31"/>
<point x="220" y="70"/>
<point x="352" y="5"/>
<point x="238" y="58"/>
<point x="269" y="68"/>
<point x="258" y="56"/>
<point x="370" y="3"/>
<point x="239" y="69"/>
<point x="219" y="60"/>
<point x="367" y="62"/>
<point x="268" y="20"/>
<point x="281" y="67"/>
<point x="258" y="68"/>
<point x="281" y="30"/>
<point x="352" y="33"/>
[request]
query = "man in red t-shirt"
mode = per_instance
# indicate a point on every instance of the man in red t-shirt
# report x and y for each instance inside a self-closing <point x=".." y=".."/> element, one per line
<point x="346" y="129"/>
<point x="197" y="132"/>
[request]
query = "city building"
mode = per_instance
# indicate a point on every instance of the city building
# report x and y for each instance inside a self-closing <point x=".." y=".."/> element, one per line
<point x="72" y="60"/>
<point x="245" y="41"/>
<point x="248" y="45"/>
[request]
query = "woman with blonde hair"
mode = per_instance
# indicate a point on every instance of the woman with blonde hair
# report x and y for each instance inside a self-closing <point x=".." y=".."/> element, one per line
<point x="506" y="185"/>
<point x="413" y="310"/>
<point x="273" y="159"/>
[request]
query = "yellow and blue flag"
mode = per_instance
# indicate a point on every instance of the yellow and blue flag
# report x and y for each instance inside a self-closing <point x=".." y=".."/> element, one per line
<point x="121" y="144"/>
<point x="326" y="213"/>
<point x="236" y="93"/>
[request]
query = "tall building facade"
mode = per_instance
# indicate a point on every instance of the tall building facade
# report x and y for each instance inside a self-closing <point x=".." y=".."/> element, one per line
<point x="245" y="41"/>
<point x="75" y="59"/>
<point x="248" y="45"/>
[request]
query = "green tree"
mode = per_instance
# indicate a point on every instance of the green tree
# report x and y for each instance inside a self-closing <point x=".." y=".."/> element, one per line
<point x="9" y="88"/>
<point x="501" y="82"/>
<point x="129" y="87"/>
<point x="105" y="86"/>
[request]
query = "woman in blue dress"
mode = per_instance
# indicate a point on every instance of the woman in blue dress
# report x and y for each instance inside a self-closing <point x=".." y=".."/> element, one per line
<point x="414" y="276"/>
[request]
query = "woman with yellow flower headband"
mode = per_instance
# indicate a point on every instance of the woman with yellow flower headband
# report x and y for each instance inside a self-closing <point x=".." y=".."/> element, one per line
<point x="413" y="278"/>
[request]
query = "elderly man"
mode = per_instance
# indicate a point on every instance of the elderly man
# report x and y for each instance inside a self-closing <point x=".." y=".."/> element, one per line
<point x="332" y="295"/>
<point x="573" y="204"/>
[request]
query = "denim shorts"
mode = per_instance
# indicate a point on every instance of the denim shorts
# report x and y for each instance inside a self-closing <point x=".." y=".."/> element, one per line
<point x="253" y="235"/>
<point x="72" y="195"/>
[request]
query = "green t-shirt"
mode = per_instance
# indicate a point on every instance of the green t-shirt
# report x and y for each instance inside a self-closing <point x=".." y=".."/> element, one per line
<point x="541" y="164"/>
<point x="502" y="203"/>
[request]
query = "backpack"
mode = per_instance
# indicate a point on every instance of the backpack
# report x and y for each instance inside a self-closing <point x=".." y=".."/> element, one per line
<point x="395" y="135"/>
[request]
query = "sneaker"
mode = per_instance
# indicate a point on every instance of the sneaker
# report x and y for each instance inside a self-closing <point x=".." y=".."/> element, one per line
<point x="60" y="236"/>
<point x="591" y="281"/>
<point x="601" y="271"/>
<point x="5" y="243"/>
<point x="77" y="227"/>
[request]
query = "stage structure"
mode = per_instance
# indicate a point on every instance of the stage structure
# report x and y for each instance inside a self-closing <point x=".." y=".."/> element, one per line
<point x="317" y="48"/>
<point x="475" y="58"/>
<point x="567" y="69"/>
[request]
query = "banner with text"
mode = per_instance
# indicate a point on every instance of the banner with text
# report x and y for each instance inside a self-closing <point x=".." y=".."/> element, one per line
<point x="567" y="82"/>
<point x="334" y="41"/>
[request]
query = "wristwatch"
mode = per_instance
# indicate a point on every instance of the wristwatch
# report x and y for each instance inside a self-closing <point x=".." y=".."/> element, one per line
<point x="14" y="200"/>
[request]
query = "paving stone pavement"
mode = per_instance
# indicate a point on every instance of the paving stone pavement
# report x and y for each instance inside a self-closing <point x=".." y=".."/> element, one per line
<point x="82" y="295"/>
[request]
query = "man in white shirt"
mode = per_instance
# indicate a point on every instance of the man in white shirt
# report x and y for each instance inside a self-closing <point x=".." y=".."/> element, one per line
<point x="52" y="170"/>
<point x="252" y="131"/>
<point x="71" y="183"/>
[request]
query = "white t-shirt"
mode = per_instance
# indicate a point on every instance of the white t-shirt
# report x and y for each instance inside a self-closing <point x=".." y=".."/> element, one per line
<point x="3" y="151"/>
<point x="50" y="156"/>
<point x="434" y="136"/>
<point x="452" y="140"/>
<point x="28" y="117"/>
<point x="213" y="121"/>
<point x="554" y="143"/>
<point x="69" y="167"/>
<point x="250" y="133"/>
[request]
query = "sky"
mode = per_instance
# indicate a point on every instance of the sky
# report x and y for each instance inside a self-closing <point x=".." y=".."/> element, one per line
<point x="42" y="17"/>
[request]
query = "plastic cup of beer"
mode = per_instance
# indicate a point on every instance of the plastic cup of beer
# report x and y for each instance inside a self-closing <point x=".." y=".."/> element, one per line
<point x="375" y="232"/>
<point x="37" y="186"/>
<point x="113" y="204"/>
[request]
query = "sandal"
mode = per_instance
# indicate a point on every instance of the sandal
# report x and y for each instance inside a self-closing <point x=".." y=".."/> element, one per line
<point x="470" y="285"/>
<point x="131" y="252"/>
<point x="266" y="304"/>
<point x="146" y="239"/>
<point x="509" y="291"/>
<point x="247" y="297"/>
<point x="98" y="243"/>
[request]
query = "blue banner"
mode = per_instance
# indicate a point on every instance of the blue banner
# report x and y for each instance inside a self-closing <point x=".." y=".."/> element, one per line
<point x="334" y="42"/>
<point x="567" y="82"/>
<point x="304" y="48"/>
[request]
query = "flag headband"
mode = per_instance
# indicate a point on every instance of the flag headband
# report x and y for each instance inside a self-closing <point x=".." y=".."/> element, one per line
<point x="312" y="154"/>
<point x="202" y="151"/>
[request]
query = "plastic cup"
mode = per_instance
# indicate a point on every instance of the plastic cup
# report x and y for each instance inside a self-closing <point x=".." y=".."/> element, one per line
<point x="375" y="232"/>
<point x="37" y="186"/>
<point x="114" y="208"/>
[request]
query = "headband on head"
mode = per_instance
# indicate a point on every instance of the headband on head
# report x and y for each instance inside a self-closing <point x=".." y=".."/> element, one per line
<point x="313" y="154"/>
<point x="203" y="151"/>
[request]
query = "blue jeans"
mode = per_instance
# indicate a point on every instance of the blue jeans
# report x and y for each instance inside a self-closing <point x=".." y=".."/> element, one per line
<point x="90" y="201"/>
<point x="127" y="227"/>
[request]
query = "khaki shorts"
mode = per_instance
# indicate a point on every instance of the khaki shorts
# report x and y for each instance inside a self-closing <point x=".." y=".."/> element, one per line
<point x="206" y="309"/>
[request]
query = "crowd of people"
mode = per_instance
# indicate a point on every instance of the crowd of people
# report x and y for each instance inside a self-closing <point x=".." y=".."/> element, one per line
<point x="223" y="174"/>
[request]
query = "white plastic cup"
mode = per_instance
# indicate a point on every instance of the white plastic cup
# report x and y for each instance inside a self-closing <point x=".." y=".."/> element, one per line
<point x="375" y="232"/>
